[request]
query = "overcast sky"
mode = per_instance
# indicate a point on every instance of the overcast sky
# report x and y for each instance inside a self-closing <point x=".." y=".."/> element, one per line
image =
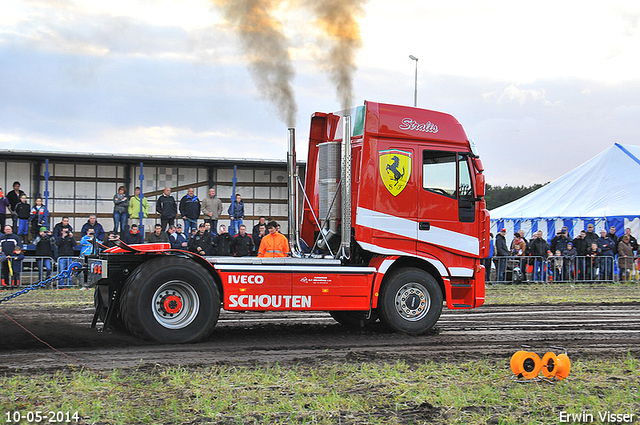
<point x="541" y="87"/>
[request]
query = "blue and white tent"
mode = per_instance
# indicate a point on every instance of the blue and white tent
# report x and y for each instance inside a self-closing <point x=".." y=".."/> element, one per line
<point x="603" y="191"/>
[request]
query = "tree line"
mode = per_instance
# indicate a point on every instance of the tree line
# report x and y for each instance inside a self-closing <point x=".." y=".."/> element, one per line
<point x="497" y="196"/>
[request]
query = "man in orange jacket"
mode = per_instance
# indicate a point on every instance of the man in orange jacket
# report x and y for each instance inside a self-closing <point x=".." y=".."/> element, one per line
<point x="275" y="244"/>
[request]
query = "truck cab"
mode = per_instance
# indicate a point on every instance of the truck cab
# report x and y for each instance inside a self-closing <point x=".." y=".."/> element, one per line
<point x="416" y="197"/>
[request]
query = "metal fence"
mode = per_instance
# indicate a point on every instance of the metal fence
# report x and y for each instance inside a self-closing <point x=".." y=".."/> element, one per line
<point x="36" y="268"/>
<point x="562" y="269"/>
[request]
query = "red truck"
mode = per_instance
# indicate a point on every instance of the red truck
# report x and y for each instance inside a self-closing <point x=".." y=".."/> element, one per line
<point x="389" y="224"/>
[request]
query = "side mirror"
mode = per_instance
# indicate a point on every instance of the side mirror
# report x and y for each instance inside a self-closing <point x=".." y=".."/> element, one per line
<point x="480" y="185"/>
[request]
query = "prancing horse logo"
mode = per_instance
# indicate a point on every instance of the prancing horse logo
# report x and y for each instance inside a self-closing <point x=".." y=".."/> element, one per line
<point x="395" y="169"/>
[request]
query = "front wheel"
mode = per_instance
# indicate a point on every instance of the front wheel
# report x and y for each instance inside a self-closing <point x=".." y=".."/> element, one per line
<point x="171" y="300"/>
<point x="410" y="301"/>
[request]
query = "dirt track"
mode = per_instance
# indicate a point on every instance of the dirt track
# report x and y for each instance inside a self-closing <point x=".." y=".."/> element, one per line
<point x="244" y="338"/>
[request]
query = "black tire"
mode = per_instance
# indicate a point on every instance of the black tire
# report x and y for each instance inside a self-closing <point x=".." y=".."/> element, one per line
<point x="410" y="301"/>
<point x="171" y="300"/>
<point x="354" y="319"/>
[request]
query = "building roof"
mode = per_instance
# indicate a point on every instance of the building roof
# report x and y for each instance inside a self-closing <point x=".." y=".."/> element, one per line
<point x="22" y="155"/>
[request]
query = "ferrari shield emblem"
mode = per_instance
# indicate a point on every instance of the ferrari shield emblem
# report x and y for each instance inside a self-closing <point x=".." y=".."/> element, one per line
<point x="395" y="169"/>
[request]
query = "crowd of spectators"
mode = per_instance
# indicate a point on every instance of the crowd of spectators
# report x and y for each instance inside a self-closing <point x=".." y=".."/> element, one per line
<point x="587" y="257"/>
<point x="207" y="238"/>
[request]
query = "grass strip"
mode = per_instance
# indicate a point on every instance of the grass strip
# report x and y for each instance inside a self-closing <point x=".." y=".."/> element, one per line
<point x="475" y="392"/>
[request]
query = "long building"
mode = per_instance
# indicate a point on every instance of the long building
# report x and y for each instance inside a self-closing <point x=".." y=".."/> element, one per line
<point x="78" y="184"/>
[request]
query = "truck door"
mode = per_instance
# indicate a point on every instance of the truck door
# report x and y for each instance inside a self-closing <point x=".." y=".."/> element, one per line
<point x="394" y="217"/>
<point x="446" y="206"/>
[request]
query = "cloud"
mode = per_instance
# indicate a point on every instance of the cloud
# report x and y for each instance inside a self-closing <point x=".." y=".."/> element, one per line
<point x="522" y="96"/>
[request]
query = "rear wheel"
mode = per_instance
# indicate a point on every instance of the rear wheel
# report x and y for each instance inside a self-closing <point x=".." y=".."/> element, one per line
<point x="410" y="301"/>
<point x="354" y="319"/>
<point x="170" y="300"/>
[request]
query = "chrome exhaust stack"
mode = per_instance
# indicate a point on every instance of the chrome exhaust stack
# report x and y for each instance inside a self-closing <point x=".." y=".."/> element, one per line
<point x="293" y="199"/>
<point x="346" y="187"/>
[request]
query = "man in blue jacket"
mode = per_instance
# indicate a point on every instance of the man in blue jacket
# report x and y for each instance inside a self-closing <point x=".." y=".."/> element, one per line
<point x="190" y="210"/>
<point x="93" y="224"/>
<point x="236" y="215"/>
<point x="607" y="247"/>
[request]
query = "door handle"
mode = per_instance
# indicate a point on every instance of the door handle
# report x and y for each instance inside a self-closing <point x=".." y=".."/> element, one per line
<point x="424" y="225"/>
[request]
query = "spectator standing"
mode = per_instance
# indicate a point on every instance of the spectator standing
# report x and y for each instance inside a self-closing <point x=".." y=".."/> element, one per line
<point x="590" y="236"/>
<point x="612" y="235"/>
<point x="179" y="240"/>
<point x="242" y="243"/>
<point x="257" y="238"/>
<point x="558" y="267"/>
<point x="23" y="212"/>
<point x="593" y="261"/>
<point x="93" y="224"/>
<point x="539" y="249"/>
<point x="120" y="210"/>
<point x="502" y="253"/>
<point x="212" y="208"/>
<point x="236" y="214"/>
<point x="133" y="236"/>
<point x="190" y="210"/>
<point x="57" y="229"/>
<point x="12" y="267"/>
<point x="222" y="242"/>
<point x="14" y="198"/>
<point x="275" y="244"/>
<point x="625" y="258"/>
<point x="9" y="240"/>
<point x="569" y="262"/>
<point x="581" y="246"/>
<point x="262" y="221"/>
<point x="560" y="241"/>
<point x="65" y="245"/>
<point x="39" y="217"/>
<point x="4" y="205"/>
<point x="44" y="248"/>
<point x="167" y="207"/>
<point x="632" y="240"/>
<point x="607" y="247"/>
<point x="136" y="203"/>
<point x="200" y="243"/>
<point x="158" y="236"/>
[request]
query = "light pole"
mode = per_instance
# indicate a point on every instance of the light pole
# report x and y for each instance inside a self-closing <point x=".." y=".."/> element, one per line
<point x="415" y="91"/>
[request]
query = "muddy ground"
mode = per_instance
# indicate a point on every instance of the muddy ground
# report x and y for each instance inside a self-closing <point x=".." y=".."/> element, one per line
<point x="585" y="330"/>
